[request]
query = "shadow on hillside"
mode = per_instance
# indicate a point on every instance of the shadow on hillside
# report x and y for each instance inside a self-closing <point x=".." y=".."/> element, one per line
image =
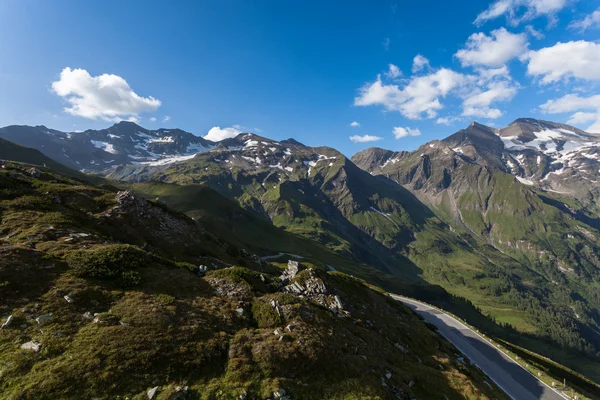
<point x="578" y="214"/>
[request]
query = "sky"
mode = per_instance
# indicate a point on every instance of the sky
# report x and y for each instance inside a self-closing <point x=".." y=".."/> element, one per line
<point x="350" y="75"/>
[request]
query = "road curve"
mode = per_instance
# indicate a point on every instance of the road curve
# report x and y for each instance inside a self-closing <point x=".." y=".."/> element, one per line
<point x="516" y="381"/>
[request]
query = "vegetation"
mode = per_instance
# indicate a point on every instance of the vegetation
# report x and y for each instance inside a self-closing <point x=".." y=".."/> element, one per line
<point x="104" y="333"/>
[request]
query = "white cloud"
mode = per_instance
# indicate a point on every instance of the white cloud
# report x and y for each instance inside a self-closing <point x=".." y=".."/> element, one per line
<point x="216" y="133"/>
<point x="481" y="112"/>
<point x="400" y="132"/>
<point x="534" y="32"/>
<point x="581" y="117"/>
<point x="517" y="11"/>
<point x="153" y="119"/>
<point x="590" y="21"/>
<point x="447" y="120"/>
<point x="574" y="103"/>
<point x="419" y="97"/>
<point x="386" y="43"/>
<point x="496" y="91"/>
<point x="393" y="71"/>
<point x="107" y="97"/>
<point x="354" y="124"/>
<point x="166" y="118"/>
<point x="579" y="59"/>
<point x="419" y="63"/>
<point x="492" y="51"/>
<point x="364" y="138"/>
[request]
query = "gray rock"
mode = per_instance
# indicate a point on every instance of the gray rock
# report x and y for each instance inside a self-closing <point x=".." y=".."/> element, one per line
<point x="33" y="346"/>
<point x="68" y="299"/>
<point x="152" y="392"/>
<point x="279" y="394"/>
<point x="202" y="270"/>
<point x="42" y="319"/>
<point x="34" y="172"/>
<point x="338" y="302"/>
<point x="388" y="375"/>
<point x="240" y="311"/>
<point x="401" y="348"/>
<point x="88" y="315"/>
<point x="292" y="270"/>
<point x="7" y="323"/>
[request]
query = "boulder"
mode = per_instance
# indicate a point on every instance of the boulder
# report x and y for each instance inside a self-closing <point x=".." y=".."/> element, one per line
<point x="292" y="270"/>
<point x="32" y="345"/>
<point x="68" y="299"/>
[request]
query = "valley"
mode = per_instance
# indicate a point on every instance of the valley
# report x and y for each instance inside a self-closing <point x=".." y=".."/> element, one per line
<point x="493" y="225"/>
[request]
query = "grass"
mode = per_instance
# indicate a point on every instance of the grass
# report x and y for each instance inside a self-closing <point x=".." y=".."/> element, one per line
<point x="173" y="327"/>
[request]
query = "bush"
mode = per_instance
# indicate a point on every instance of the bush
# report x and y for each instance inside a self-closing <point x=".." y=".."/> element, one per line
<point x="264" y="314"/>
<point x="165" y="299"/>
<point x="113" y="262"/>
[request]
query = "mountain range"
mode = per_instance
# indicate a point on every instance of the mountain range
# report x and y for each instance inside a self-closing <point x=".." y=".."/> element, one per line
<point x="505" y="218"/>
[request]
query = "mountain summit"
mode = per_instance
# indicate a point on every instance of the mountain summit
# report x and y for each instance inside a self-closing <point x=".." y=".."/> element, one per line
<point x="122" y="143"/>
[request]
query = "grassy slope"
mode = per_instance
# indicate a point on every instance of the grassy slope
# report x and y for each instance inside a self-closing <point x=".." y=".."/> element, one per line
<point x="162" y="325"/>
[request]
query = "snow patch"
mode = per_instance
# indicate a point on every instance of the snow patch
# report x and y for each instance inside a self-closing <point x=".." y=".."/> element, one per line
<point x="108" y="147"/>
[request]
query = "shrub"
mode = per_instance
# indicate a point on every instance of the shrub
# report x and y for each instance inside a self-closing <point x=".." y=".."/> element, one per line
<point x="30" y="202"/>
<point x="165" y="299"/>
<point x="264" y="314"/>
<point x="112" y="262"/>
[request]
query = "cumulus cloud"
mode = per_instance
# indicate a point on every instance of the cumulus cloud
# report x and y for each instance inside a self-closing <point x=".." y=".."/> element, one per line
<point x="364" y="138"/>
<point x="393" y="71"/>
<point x="216" y="133"/>
<point x="477" y="103"/>
<point x="574" y="103"/>
<point x="419" y="63"/>
<point x="107" y="97"/>
<point x="354" y="124"/>
<point x="492" y="51"/>
<point x="578" y="59"/>
<point x="517" y="11"/>
<point x="447" y="120"/>
<point x="590" y="21"/>
<point x="419" y="98"/>
<point x="400" y="132"/>
<point x="581" y="117"/>
<point x="166" y="118"/>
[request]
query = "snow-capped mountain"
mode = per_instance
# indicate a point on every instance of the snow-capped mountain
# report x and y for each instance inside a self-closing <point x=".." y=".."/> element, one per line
<point x="122" y="143"/>
<point x="553" y="156"/>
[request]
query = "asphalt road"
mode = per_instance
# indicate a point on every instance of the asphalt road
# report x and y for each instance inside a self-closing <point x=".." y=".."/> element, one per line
<point x="517" y="382"/>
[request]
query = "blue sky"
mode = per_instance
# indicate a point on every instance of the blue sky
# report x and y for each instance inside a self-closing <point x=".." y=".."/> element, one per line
<point x="303" y="69"/>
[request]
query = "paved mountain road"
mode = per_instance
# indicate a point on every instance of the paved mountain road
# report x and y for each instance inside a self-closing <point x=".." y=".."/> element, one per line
<point x="517" y="382"/>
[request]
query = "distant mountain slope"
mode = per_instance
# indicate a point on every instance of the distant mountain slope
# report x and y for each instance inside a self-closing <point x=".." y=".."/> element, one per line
<point x="15" y="152"/>
<point x="314" y="192"/>
<point x="123" y="143"/>
<point x="472" y="181"/>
